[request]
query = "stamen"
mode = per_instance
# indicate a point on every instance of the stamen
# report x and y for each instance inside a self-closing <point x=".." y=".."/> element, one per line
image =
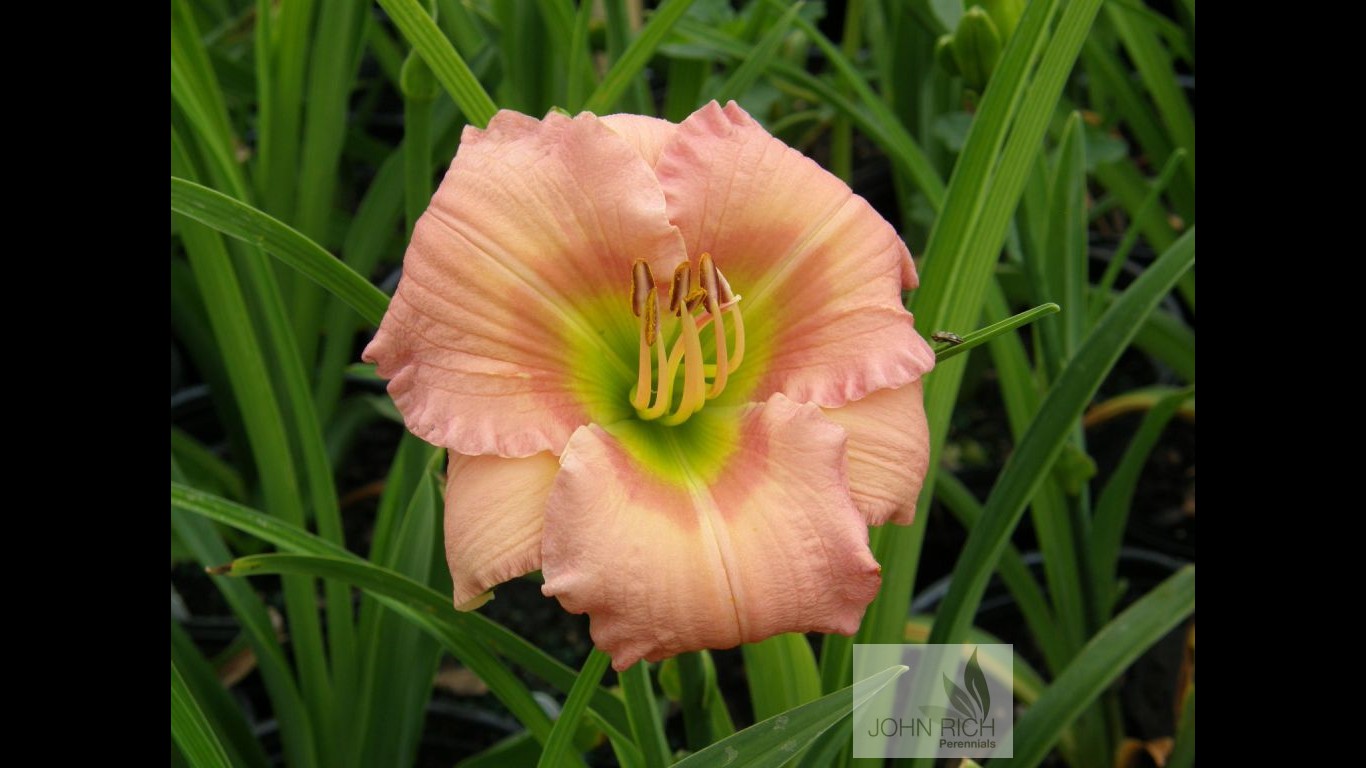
<point x="713" y="298"/>
<point x="712" y="282"/>
<point x="642" y="282"/>
<point x="649" y="335"/>
<point x="737" y="355"/>
<point x="694" y="377"/>
<point x="696" y="298"/>
<point x="678" y="290"/>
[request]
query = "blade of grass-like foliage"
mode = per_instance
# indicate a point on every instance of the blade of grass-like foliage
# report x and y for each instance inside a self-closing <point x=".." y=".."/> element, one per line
<point x="373" y="229"/>
<point x="984" y="335"/>
<point x="842" y="129"/>
<point x="400" y="589"/>
<point x="1060" y="518"/>
<point x="686" y="79"/>
<point x="1026" y="468"/>
<point x="220" y="711"/>
<point x="888" y="134"/>
<point x="1103" y="659"/>
<point x="831" y="748"/>
<point x="195" y="91"/>
<point x="524" y="56"/>
<point x="519" y="749"/>
<point x="754" y="65"/>
<point x="398" y="661"/>
<point x="982" y="194"/>
<point x="782" y="674"/>
<point x="1163" y="336"/>
<point x="643" y="714"/>
<point x="1065" y="243"/>
<point x="338" y="40"/>
<point x="190" y="325"/>
<point x="351" y="416"/>
<point x="1155" y="68"/>
<point x="413" y="462"/>
<point x="258" y="298"/>
<point x="1012" y="569"/>
<point x="1028" y="684"/>
<point x="1169" y="340"/>
<point x="1112" y="83"/>
<point x="296" y="731"/>
<point x="419" y="91"/>
<point x="1112" y="510"/>
<point x="245" y="363"/>
<point x="970" y="184"/>
<point x="621" y="17"/>
<point x="776" y="740"/>
<point x="1126" y="245"/>
<point x="190" y="730"/>
<point x="567" y="724"/>
<point x="581" y="76"/>
<point x="502" y="683"/>
<point x="917" y="165"/>
<point x="1019" y="392"/>
<point x="559" y="18"/>
<point x="636" y="56"/>
<point x="201" y="465"/>
<point x="462" y="26"/>
<point x="447" y="65"/>
<point x="245" y="223"/>
<point x="281" y="59"/>
<point x="386" y="51"/>
<point x="1129" y="186"/>
<point x="705" y="718"/>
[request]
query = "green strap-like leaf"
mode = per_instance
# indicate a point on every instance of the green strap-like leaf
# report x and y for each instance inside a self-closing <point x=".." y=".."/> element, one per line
<point x="190" y="731"/>
<point x="1102" y="660"/>
<point x="983" y="335"/>
<point x="1112" y="510"/>
<point x="239" y="220"/>
<point x="450" y="69"/>
<point x="1027" y="468"/>
<point x="400" y="589"/>
<point x="644" y="715"/>
<point x="782" y="673"/>
<point x="562" y="735"/>
<point x="223" y="713"/>
<point x="384" y="584"/>
<point x="636" y="56"/>
<point x="776" y="740"/>
<point x="754" y="65"/>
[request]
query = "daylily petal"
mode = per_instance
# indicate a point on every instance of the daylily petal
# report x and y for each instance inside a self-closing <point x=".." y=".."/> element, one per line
<point x="773" y="545"/>
<point x="647" y="134"/>
<point x="494" y="511"/>
<point x="820" y="271"/>
<point x="535" y="223"/>
<point x="889" y="451"/>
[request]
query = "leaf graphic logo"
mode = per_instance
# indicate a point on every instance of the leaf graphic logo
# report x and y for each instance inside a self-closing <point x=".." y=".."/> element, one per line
<point x="975" y="702"/>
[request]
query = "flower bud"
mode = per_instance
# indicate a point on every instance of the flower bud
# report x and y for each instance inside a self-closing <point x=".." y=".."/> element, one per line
<point x="416" y="79"/>
<point x="943" y="55"/>
<point x="1005" y="14"/>
<point x="976" y="47"/>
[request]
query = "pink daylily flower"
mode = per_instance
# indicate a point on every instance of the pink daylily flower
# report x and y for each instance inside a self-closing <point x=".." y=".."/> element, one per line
<point x="673" y="371"/>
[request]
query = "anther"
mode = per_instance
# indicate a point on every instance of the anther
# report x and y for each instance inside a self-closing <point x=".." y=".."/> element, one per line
<point x="642" y="282"/>
<point x="678" y="290"/>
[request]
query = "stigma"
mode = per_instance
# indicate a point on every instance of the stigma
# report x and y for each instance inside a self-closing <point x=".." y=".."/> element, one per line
<point x="676" y="377"/>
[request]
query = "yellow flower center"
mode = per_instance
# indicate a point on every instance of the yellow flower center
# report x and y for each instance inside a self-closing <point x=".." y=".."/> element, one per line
<point x="692" y="309"/>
